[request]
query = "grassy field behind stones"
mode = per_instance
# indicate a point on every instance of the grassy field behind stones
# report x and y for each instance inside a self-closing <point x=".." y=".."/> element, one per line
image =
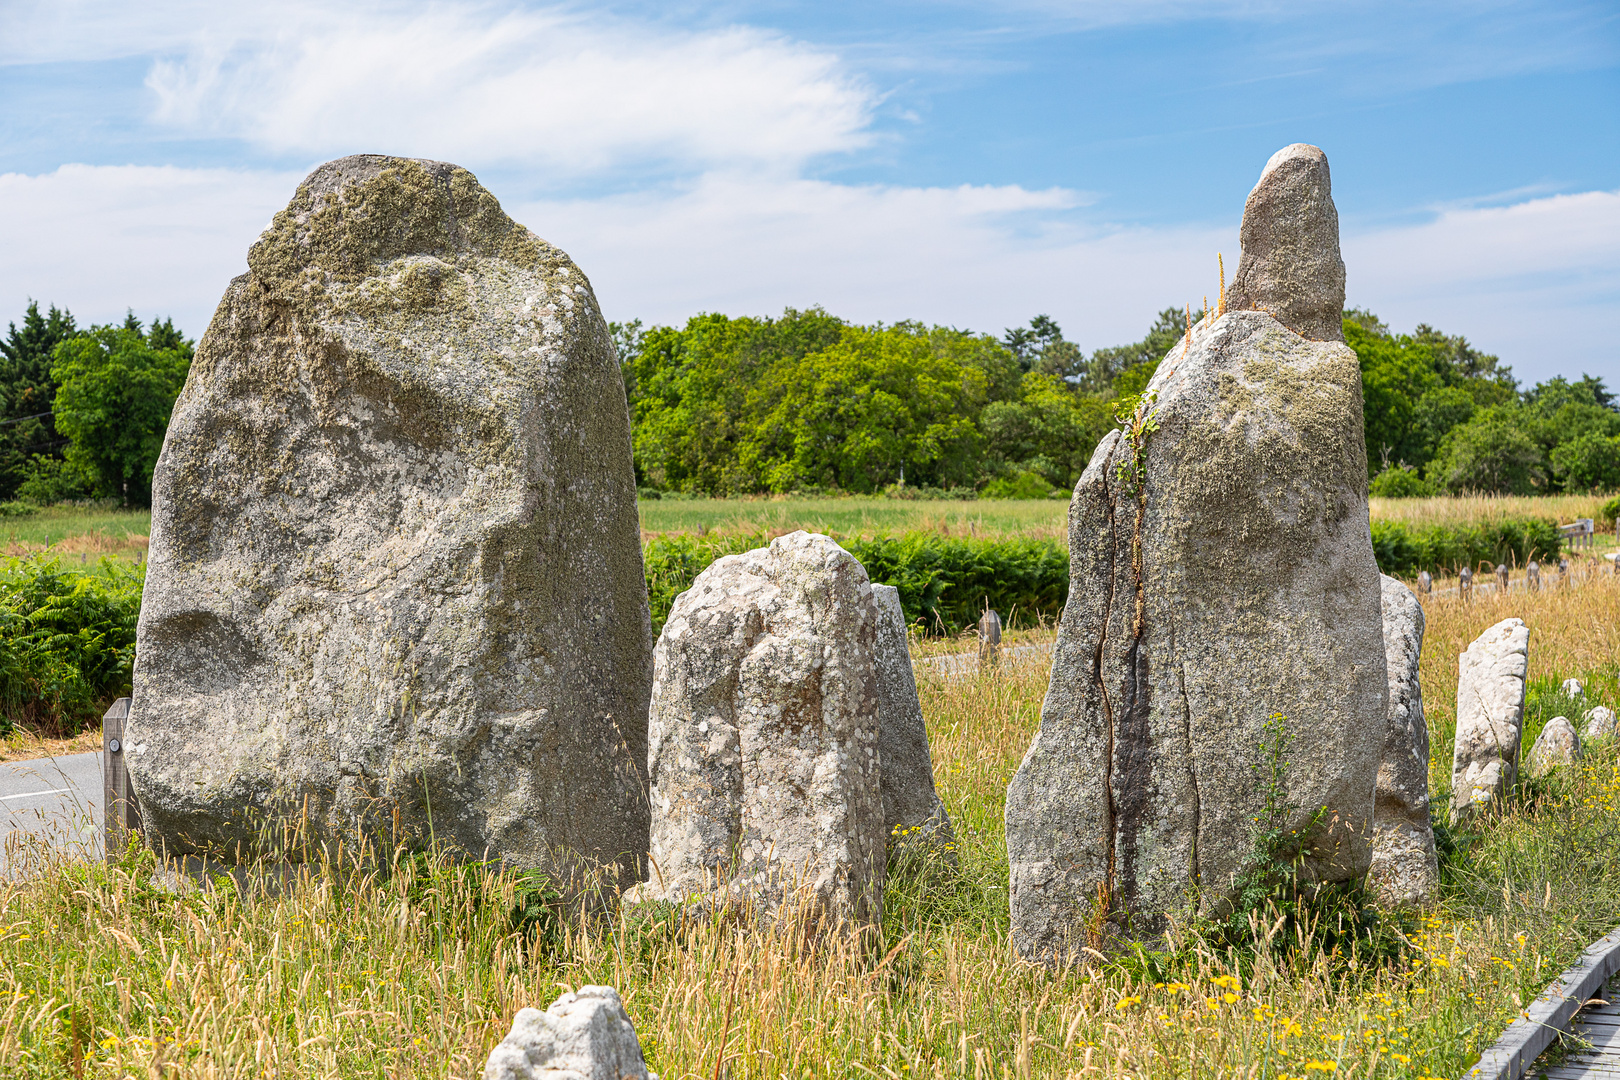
<point x="418" y="972"/>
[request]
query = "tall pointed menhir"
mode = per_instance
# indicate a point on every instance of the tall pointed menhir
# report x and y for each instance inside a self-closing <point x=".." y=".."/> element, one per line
<point x="1222" y="575"/>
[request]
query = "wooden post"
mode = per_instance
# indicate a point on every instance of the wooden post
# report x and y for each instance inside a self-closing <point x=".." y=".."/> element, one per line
<point x="1501" y="577"/>
<point x="1532" y="576"/>
<point x="1563" y="571"/>
<point x="989" y="640"/>
<point x="1465" y="583"/>
<point x="121" y="814"/>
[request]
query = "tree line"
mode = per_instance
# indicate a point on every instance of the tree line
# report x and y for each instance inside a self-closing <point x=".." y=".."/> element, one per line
<point x="807" y="402"/>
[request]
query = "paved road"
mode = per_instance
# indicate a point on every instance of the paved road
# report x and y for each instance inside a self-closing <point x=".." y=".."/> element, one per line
<point x="56" y="800"/>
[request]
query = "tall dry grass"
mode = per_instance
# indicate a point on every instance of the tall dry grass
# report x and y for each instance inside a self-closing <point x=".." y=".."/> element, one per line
<point x="1455" y="510"/>
<point x="415" y="969"/>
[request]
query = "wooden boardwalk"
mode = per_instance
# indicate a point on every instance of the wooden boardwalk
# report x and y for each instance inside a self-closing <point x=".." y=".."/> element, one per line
<point x="1599" y="1026"/>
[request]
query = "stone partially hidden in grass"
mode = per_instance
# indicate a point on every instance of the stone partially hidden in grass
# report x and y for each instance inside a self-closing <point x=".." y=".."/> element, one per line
<point x="1490" y="718"/>
<point x="396" y="587"/>
<point x="1222" y="573"/>
<point x="763" y="738"/>
<point x="1405" y="867"/>
<point x="1599" y="721"/>
<point x="912" y="810"/>
<point x="1557" y="746"/>
<point x="583" y="1035"/>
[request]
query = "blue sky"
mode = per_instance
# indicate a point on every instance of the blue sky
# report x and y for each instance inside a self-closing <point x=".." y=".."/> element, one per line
<point x="962" y="163"/>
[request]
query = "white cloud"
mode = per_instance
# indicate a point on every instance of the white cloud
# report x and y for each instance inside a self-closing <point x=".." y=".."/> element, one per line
<point x="161" y="240"/>
<point x="557" y="91"/>
<point x="1537" y="282"/>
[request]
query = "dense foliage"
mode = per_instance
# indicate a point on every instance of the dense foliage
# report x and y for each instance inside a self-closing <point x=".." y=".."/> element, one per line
<point x="1403" y="551"/>
<point x="945" y="583"/>
<point x="67" y="641"/>
<point x="85" y="411"/>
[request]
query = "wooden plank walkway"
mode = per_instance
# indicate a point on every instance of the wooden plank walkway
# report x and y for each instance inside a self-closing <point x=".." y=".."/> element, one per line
<point x="1599" y="1026"/>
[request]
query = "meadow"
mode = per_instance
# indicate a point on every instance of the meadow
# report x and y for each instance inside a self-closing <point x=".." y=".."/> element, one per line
<point x="413" y="968"/>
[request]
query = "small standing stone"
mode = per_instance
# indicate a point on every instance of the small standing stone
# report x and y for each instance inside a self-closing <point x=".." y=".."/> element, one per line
<point x="1425" y="582"/>
<point x="1563" y="572"/>
<point x="1599" y="721"/>
<point x="1501" y="577"/>
<point x="1532" y="576"/>
<point x="584" y="1035"/>
<point x="763" y="735"/>
<point x="1465" y="583"/>
<point x="911" y="806"/>
<point x="1490" y="717"/>
<point x="1556" y="746"/>
<point x="1573" y="688"/>
<point x="989" y="640"/>
<point x="1405" y="869"/>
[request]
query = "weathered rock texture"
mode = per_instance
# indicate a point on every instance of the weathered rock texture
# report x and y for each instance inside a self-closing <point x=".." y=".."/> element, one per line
<point x="764" y="734"/>
<point x="1290" y="265"/>
<point x="1555" y="747"/>
<point x="1221" y="572"/>
<point x="1405" y="868"/>
<point x="1490" y="717"/>
<point x="395" y="561"/>
<point x="1599" y="722"/>
<point x="912" y="810"/>
<point x="583" y="1035"/>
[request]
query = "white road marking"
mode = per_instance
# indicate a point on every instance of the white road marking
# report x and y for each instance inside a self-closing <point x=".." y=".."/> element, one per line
<point x="35" y="794"/>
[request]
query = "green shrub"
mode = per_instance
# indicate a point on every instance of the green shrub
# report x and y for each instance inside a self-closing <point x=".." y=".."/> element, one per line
<point x="17" y="509"/>
<point x="1610" y="511"/>
<point x="1024" y="485"/>
<point x="67" y="641"/>
<point x="1403" y="550"/>
<point x="944" y="582"/>
<point x="1400" y="482"/>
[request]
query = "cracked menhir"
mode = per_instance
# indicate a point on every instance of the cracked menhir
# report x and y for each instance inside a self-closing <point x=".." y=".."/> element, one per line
<point x="764" y="733"/>
<point x="1221" y="572"/>
<point x="1405" y="868"/>
<point x="396" y="584"/>
<point x="1490" y="718"/>
<point x="912" y="811"/>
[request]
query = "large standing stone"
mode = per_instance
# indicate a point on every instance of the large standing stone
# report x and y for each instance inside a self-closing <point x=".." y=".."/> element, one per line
<point x="583" y="1035"/>
<point x="1291" y="266"/>
<point x="912" y="810"/>
<point x="763" y="739"/>
<point x="1556" y="747"/>
<point x="1405" y="868"/>
<point x="396" y="582"/>
<point x="1490" y="717"/>
<point x="1221" y="572"/>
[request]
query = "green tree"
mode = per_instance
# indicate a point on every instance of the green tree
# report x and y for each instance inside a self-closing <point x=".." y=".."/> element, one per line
<point x="115" y="393"/>
<point x="1106" y="366"/>
<point x="1051" y="429"/>
<point x="1588" y="462"/>
<point x="27" y="390"/>
<point x="1490" y="454"/>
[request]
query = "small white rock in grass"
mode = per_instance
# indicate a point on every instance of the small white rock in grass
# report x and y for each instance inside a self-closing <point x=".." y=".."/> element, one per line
<point x="1574" y="688"/>
<point x="584" y="1035"/>
<point x="1556" y="746"/>
<point x="1599" y="721"/>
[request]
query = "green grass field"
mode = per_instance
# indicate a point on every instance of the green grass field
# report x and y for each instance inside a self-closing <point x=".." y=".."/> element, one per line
<point x="859" y="516"/>
<point x="77" y="530"/>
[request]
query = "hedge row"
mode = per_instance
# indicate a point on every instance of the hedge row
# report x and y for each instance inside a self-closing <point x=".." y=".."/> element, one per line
<point x="944" y="582"/>
<point x="1440" y="549"/>
<point x="67" y="642"/>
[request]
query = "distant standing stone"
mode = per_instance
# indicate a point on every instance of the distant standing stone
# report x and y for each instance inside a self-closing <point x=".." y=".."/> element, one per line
<point x="396" y="587"/>
<point x="1490" y="717"/>
<point x="1221" y="573"/>
<point x="1465" y="583"/>
<point x="1563" y="572"/>
<point x="989" y="640"/>
<point x="912" y="810"/>
<point x="1501" y="577"/>
<point x="1425" y="582"/>
<point x="1532" y="576"/>
<point x="764" y="734"/>
<point x="1555" y="747"/>
<point x="583" y="1035"/>
<point x="1600" y="722"/>
<point x="1573" y="688"/>
<point x="1405" y="869"/>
